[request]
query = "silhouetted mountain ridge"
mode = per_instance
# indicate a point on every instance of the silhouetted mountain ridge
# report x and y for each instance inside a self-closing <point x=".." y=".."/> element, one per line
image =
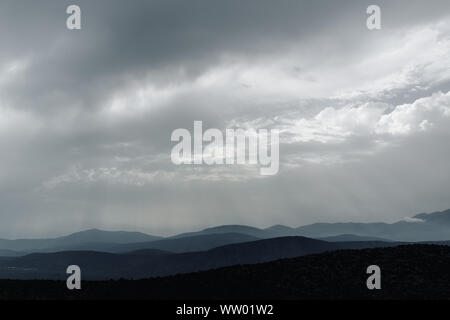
<point x="352" y="237"/>
<point x="92" y="235"/>
<point x="422" y="227"/>
<point x="143" y="264"/>
<point x="408" y="272"/>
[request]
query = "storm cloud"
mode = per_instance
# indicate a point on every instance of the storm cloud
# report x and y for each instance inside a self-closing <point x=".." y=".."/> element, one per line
<point x="86" y="115"/>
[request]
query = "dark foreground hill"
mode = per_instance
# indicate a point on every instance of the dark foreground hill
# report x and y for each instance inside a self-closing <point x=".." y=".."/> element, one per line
<point x="407" y="272"/>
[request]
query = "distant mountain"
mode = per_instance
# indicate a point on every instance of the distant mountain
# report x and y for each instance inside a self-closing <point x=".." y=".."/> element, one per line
<point x="420" y="228"/>
<point x="148" y="252"/>
<point x="145" y="263"/>
<point x="280" y="231"/>
<point x="95" y="235"/>
<point x="247" y="230"/>
<point x="174" y="245"/>
<point x="423" y="227"/>
<point x="441" y="217"/>
<point x="88" y="236"/>
<point x="272" y="232"/>
<point x="187" y="243"/>
<point x="352" y="237"/>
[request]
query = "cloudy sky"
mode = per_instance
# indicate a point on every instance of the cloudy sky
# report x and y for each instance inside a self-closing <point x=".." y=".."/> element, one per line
<point x="86" y="116"/>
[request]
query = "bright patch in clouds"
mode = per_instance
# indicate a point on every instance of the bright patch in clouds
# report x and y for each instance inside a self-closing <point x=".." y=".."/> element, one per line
<point x="86" y="117"/>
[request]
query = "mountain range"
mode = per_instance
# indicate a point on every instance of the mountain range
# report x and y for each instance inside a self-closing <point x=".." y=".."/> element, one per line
<point x="134" y="255"/>
<point x="422" y="227"/>
<point x="146" y="263"/>
<point x="408" y="272"/>
<point x="78" y="238"/>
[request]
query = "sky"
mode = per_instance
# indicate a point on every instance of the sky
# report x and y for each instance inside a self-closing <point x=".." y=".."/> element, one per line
<point x="86" y="115"/>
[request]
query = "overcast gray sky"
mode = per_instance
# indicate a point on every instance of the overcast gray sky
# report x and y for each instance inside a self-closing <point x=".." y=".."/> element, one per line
<point x="86" y="116"/>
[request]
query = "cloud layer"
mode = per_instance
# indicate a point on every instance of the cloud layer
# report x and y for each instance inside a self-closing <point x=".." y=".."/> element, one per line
<point x="86" y="116"/>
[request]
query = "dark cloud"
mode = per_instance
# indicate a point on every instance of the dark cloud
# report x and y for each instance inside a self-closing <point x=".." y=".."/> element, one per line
<point x="86" y="116"/>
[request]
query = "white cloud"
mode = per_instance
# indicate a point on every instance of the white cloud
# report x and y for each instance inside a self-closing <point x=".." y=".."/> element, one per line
<point x="108" y="175"/>
<point x="375" y="120"/>
<point x="348" y="102"/>
<point x="413" y="220"/>
<point x="422" y="115"/>
<point x="415" y="59"/>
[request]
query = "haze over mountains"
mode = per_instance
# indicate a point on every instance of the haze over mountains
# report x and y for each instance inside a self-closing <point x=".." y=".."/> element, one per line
<point x="422" y="227"/>
<point x="112" y="255"/>
<point x="78" y="238"/>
